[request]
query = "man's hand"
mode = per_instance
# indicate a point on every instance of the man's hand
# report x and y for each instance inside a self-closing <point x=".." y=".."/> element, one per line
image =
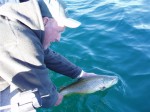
<point x="60" y="98"/>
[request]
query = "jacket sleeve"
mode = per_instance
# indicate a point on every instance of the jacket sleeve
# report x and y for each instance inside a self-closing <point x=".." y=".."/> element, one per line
<point x="60" y="64"/>
<point x="36" y="75"/>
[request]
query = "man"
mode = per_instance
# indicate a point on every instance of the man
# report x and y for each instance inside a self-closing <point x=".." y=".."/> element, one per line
<point x="27" y="29"/>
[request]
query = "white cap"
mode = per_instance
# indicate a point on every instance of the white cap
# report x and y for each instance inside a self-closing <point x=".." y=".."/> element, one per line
<point x="58" y="12"/>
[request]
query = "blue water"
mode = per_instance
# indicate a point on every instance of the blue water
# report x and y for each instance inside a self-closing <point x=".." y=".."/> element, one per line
<point x="114" y="39"/>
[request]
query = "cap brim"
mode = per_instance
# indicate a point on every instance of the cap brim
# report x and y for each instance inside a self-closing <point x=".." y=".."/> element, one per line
<point x="58" y="13"/>
<point x="71" y="23"/>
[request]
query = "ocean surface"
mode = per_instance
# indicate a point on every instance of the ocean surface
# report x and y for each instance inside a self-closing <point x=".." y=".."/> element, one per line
<point x="114" y="39"/>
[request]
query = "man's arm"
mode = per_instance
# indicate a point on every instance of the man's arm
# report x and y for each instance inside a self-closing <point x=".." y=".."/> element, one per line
<point x="60" y="64"/>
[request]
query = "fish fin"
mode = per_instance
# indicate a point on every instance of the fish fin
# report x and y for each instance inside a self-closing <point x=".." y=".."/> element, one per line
<point x="84" y="78"/>
<point x="81" y="78"/>
<point x="62" y="87"/>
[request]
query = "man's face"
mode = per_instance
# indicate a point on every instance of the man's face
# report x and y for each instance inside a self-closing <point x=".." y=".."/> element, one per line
<point x="52" y="32"/>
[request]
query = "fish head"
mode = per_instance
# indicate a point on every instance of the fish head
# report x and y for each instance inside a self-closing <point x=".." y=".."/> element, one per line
<point x="107" y="82"/>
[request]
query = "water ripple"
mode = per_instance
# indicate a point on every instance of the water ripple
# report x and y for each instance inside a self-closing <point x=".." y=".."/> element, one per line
<point x="112" y="40"/>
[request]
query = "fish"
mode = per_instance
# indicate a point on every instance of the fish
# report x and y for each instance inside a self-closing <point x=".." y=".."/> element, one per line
<point x="89" y="84"/>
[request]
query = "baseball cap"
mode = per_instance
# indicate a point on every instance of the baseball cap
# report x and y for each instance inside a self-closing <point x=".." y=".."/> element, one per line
<point x="58" y="11"/>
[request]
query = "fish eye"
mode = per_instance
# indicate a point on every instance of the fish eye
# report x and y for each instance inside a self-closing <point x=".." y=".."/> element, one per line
<point x="104" y="87"/>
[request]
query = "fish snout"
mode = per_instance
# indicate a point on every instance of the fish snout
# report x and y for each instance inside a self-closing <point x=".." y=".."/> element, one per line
<point x="109" y="81"/>
<point x="114" y="79"/>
